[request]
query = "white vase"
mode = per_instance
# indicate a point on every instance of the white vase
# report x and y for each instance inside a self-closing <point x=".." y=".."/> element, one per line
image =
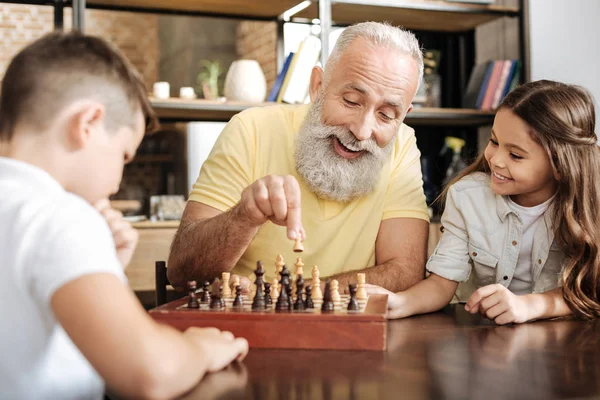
<point x="245" y="81"/>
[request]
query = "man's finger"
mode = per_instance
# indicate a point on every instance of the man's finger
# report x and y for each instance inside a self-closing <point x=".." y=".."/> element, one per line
<point x="294" y="209"/>
<point x="277" y="198"/>
<point x="261" y="198"/>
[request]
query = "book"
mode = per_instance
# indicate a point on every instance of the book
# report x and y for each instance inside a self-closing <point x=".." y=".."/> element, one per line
<point x="308" y="55"/>
<point x="502" y="82"/>
<point x="491" y="88"/>
<point x="286" y="79"/>
<point x="476" y="81"/>
<point x="280" y="77"/>
<point x="484" y="85"/>
<point x="514" y="78"/>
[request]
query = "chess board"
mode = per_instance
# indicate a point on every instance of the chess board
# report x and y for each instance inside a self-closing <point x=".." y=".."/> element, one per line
<point x="365" y="329"/>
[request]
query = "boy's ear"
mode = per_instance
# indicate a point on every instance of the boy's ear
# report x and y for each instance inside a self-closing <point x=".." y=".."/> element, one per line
<point x="86" y="119"/>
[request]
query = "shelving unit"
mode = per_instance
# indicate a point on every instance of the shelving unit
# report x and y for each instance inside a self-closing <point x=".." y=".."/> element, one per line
<point x="457" y="19"/>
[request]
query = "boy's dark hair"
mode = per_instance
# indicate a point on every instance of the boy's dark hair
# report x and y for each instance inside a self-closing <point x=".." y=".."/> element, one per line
<point x="60" y="68"/>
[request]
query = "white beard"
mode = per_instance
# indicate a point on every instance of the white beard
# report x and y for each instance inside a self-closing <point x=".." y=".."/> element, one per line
<point x="329" y="175"/>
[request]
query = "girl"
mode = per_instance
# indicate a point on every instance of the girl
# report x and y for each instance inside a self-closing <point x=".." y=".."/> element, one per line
<point x="523" y="217"/>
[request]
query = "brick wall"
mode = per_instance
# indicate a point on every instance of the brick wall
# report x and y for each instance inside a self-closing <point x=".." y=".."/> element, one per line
<point x="258" y="41"/>
<point x="135" y="34"/>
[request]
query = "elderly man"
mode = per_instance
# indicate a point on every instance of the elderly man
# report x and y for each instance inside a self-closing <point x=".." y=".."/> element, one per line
<point x="342" y="173"/>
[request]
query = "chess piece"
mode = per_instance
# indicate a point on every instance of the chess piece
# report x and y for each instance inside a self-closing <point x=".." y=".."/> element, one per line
<point x="299" y="271"/>
<point x="299" y="304"/>
<point x="282" y="301"/>
<point x="268" y="299"/>
<point x="259" y="298"/>
<point x="215" y="297"/>
<point x="239" y="300"/>
<point x="298" y="248"/>
<point x="192" y="301"/>
<point x="328" y="305"/>
<point x="308" y="303"/>
<point x="236" y="283"/>
<point x="279" y="263"/>
<point x="275" y="289"/>
<point x="335" y="292"/>
<point x="285" y="276"/>
<point x="206" y="293"/>
<point x="226" y="289"/>
<point x="288" y="289"/>
<point x="361" y="293"/>
<point x="316" y="284"/>
<point x="353" y="304"/>
<point x="222" y="297"/>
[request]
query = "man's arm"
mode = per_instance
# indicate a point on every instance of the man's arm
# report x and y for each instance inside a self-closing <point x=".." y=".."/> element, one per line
<point x="400" y="254"/>
<point x="209" y="242"/>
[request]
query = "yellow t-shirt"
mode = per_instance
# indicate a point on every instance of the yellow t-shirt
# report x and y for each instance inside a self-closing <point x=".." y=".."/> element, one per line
<point x="339" y="236"/>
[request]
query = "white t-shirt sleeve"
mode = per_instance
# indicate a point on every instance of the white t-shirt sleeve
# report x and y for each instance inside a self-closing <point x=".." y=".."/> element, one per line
<point x="79" y="242"/>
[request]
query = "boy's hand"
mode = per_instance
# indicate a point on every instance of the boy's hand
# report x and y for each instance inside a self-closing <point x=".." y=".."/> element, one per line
<point x="396" y="302"/>
<point x="219" y="347"/>
<point x="124" y="235"/>
<point x="499" y="304"/>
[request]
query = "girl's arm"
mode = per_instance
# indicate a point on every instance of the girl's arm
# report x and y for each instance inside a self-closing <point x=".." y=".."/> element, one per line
<point x="547" y="305"/>
<point x="429" y="295"/>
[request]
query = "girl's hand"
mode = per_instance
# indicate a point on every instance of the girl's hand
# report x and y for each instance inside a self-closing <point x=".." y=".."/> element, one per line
<point x="395" y="301"/>
<point x="499" y="304"/>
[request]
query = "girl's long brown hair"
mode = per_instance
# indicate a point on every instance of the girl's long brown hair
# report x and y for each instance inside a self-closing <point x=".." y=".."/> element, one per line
<point x="562" y="120"/>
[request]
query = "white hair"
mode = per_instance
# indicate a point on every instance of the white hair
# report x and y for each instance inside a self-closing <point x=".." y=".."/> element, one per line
<point x="379" y="34"/>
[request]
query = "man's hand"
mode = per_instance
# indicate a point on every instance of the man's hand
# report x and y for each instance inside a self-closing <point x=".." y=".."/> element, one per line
<point x="124" y="235"/>
<point x="277" y="199"/>
<point x="499" y="304"/>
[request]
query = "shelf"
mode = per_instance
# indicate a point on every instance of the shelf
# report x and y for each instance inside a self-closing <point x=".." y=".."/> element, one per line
<point x="263" y="9"/>
<point x="432" y="15"/>
<point x="202" y="110"/>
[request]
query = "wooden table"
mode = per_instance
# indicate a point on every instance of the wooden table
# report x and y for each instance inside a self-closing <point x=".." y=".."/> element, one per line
<point x="446" y="355"/>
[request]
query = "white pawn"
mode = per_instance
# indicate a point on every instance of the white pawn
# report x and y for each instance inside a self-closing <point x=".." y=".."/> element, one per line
<point x="226" y="289"/>
<point x="252" y="286"/>
<point x="335" y="293"/>
<point x="361" y="293"/>
<point x="316" y="284"/>
<point x="236" y="283"/>
<point x="279" y="263"/>
<point x="275" y="290"/>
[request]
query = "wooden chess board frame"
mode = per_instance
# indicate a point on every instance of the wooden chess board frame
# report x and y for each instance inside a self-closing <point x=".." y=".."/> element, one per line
<point x="339" y="330"/>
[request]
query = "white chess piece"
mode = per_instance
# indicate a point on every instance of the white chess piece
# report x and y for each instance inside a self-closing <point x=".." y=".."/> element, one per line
<point x="361" y="293"/>
<point x="275" y="290"/>
<point x="279" y="263"/>
<point x="226" y="289"/>
<point x="316" y="284"/>
<point x="335" y="292"/>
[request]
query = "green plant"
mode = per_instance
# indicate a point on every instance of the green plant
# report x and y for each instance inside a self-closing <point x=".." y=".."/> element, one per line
<point x="207" y="81"/>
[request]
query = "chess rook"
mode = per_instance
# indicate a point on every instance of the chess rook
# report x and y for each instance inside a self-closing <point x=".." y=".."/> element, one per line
<point x="352" y="304"/>
<point x="192" y="301"/>
<point x="226" y="290"/>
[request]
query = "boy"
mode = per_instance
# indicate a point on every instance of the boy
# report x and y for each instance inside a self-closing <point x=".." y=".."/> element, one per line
<point x="72" y="112"/>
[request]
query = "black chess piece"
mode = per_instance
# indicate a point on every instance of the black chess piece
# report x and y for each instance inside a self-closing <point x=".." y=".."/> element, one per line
<point x="282" y="303"/>
<point x="353" y="304"/>
<point x="192" y="301"/>
<point x="308" y="303"/>
<point x="268" y="299"/>
<point x="215" y="297"/>
<point x="206" y="293"/>
<point x="299" y="304"/>
<point x="285" y="276"/>
<point x="222" y="298"/>
<point x="259" y="298"/>
<point x="288" y="289"/>
<point x="328" y="305"/>
<point x="239" y="300"/>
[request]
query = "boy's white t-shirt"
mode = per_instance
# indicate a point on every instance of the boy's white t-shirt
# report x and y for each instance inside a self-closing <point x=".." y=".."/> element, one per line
<point x="48" y="237"/>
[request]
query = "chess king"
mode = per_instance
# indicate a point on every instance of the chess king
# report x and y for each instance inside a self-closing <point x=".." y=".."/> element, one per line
<point x="342" y="174"/>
